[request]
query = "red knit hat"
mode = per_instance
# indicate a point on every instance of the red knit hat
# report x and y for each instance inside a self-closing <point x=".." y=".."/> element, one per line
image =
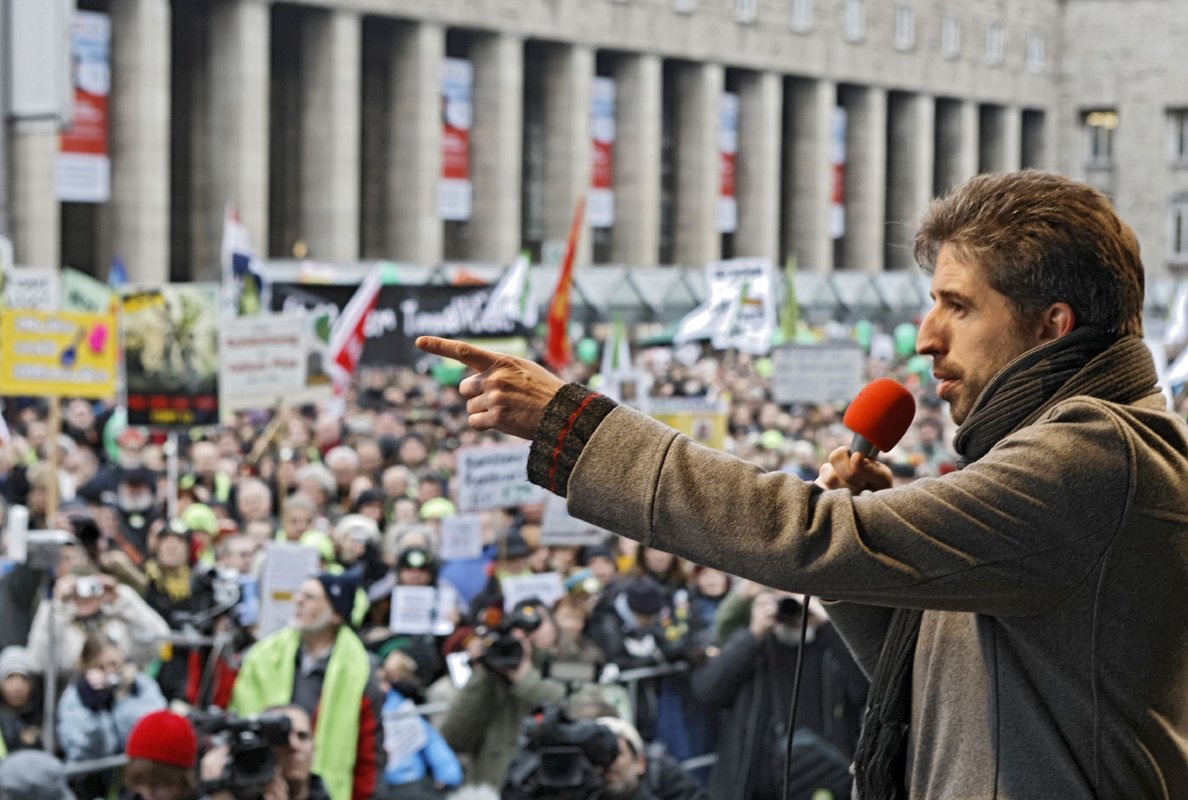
<point x="163" y="737"/>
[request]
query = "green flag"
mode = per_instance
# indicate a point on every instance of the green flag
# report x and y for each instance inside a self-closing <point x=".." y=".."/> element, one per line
<point x="791" y="311"/>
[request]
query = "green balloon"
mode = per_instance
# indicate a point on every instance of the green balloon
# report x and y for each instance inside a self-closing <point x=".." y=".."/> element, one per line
<point x="905" y="339"/>
<point x="448" y="373"/>
<point x="863" y="333"/>
<point x="587" y="351"/>
<point x="116" y="424"/>
<point x="764" y="368"/>
<point x="919" y="365"/>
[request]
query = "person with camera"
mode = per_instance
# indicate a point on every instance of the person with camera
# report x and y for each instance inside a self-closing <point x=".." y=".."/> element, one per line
<point x="749" y="681"/>
<point x="285" y="772"/>
<point x="484" y="718"/>
<point x="320" y="665"/>
<point x="85" y="602"/>
<point x="101" y="705"/>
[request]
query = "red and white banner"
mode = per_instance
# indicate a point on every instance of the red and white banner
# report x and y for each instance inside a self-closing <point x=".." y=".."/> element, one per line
<point x="350" y="330"/>
<point x="457" y="112"/>
<point x="727" y="216"/>
<point x="837" y="208"/>
<point x="83" y="169"/>
<point x="600" y="208"/>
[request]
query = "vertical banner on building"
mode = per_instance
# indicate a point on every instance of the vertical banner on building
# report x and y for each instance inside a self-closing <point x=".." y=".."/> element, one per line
<point x="457" y="112"/>
<point x="600" y="210"/>
<point x="83" y="170"/>
<point x="728" y="162"/>
<point x="837" y="207"/>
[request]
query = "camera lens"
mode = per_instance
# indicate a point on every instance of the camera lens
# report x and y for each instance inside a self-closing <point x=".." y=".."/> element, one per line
<point x="788" y="610"/>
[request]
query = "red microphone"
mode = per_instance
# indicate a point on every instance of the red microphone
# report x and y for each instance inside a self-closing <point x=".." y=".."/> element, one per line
<point x="879" y="416"/>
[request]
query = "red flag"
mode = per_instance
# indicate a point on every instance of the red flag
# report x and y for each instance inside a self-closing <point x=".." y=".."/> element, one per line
<point x="557" y="354"/>
<point x="347" y="334"/>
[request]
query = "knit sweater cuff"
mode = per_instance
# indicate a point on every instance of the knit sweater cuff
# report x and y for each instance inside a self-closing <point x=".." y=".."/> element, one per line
<point x="568" y="423"/>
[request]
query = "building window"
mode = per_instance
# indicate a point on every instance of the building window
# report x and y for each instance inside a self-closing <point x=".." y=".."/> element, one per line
<point x="1177" y="234"/>
<point x="1099" y="137"/>
<point x="855" y="20"/>
<point x="1035" y="52"/>
<point x="905" y="28"/>
<point x="802" y="16"/>
<point x="1178" y="129"/>
<point x="746" y="10"/>
<point x="950" y="36"/>
<point x="995" y="49"/>
<point x="684" y="6"/>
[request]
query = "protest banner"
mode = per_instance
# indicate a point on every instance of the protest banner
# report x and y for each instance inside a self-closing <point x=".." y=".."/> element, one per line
<point x="269" y="358"/>
<point x="740" y="310"/>
<point x="559" y="529"/>
<point x="494" y="477"/>
<point x="171" y="354"/>
<point x="546" y="587"/>
<point x="286" y="566"/>
<point x="423" y="609"/>
<point x="701" y="419"/>
<point x="823" y="373"/>
<point x="461" y="537"/>
<point x="33" y="288"/>
<point x="403" y="313"/>
<point x="58" y="354"/>
<point x="81" y="292"/>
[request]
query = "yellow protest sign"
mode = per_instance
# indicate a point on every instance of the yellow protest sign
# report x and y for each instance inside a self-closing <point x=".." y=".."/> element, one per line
<point x="58" y="354"/>
<point x="701" y="419"/>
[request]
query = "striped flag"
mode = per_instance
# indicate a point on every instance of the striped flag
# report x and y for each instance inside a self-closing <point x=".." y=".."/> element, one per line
<point x="350" y="329"/>
<point x="557" y="352"/>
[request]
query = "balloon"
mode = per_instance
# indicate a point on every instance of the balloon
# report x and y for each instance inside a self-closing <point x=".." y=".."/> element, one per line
<point x="764" y="368"/>
<point x="905" y="339"/>
<point x="920" y="365"/>
<point x="448" y="372"/>
<point x="863" y="333"/>
<point x="116" y="424"/>
<point x="587" y="351"/>
<point x="771" y="439"/>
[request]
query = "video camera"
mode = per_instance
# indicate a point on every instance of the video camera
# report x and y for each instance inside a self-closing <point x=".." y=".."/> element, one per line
<point x="560" y="759"/>
<point x="250" y="763"/>
<point x="502" y="650"/>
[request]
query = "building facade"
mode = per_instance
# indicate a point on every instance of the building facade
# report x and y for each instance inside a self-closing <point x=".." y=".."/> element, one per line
<point x="425" y="131"/>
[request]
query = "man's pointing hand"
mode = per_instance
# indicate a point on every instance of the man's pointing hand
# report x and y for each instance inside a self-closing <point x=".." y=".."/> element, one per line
<point x="507" y="394"/>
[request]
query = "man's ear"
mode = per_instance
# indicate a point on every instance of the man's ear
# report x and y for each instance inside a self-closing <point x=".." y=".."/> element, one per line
<point x="1055" y="321"/>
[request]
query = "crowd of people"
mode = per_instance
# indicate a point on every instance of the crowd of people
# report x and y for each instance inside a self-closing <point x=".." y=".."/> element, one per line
<point x="145" y="612"/>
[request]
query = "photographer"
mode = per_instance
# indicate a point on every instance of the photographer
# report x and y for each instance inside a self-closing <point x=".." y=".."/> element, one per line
<point x="484" y="718"/>
<point x="287" y="776"/>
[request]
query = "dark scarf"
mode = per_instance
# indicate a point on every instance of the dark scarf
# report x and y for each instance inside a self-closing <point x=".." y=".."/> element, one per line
<point x="1085" y="362"/>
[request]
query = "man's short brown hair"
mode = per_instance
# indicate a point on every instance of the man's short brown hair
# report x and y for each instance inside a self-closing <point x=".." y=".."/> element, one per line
<point x="1042" y="238"/>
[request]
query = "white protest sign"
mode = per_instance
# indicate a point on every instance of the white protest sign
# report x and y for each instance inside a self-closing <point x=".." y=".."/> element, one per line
<point x="285" y="568"/>
<point x="461" y="537"/>
<point x="264" y="359"/>
<point x="33" y="289"/>
<point x="824" y="373"/>
<point x="423" y="609"/>
<point x="404" y="733"/>
<point x="545" y="587"/>
<point x="494" y="477"/>
<point x="559" y="529"/>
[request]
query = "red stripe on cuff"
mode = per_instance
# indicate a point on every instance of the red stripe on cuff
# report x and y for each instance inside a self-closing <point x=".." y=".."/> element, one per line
<point x="561" y="439"/>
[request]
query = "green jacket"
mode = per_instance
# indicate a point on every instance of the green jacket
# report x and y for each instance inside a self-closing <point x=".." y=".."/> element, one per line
<point x="266" y="679"/>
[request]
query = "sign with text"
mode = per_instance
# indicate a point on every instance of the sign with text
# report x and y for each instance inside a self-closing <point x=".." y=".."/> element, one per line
<point x="454" y="195"/>
<point x="58" y="354"/>
<point x="268" y="358"/>
<point x="33" y="288"/>
<point x="401" y="314"/>
<point x="559" y="529"/>
<point x="423" y="609"/>
<point x="286" y="566"/>
<point x="461" y="537"/>
<point x="600" y="204"/>
<point x="727" y="212"/>
<point x="701" y="419"/>
<point x="171" y="354"/>
<point x="546" y="587"/>
<point x="822" y="373"/>
<point x="81" y="292"/>
<point x="494" y="477"/>
<point x="83" y="169"/>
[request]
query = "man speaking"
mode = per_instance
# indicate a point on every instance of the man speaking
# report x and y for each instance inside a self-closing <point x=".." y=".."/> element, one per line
<point x="1025" y="619"/>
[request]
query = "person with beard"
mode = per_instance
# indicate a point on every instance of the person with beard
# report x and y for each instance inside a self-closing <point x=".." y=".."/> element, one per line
<point x="625" y="777"/>
<point x="748" y="681"/>
<point x="319" y="664"/>
<point x="433" y="769"/>
<point x="1023" y="617"/>
<point x="137" y="509"/>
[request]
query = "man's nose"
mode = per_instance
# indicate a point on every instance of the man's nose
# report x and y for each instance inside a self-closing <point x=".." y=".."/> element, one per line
<point x="928" y="341"/>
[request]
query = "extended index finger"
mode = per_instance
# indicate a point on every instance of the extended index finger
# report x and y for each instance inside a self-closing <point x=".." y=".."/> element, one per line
<point x="473" y="357"/>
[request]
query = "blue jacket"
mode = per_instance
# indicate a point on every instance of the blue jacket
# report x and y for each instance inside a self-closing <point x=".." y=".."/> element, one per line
<point x="86" y="734"/>
<point x="436" y="757"/>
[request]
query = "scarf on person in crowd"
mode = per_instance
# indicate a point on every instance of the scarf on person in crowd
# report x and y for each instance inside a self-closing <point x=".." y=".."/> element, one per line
<point x="267" y="679"/>
<point x="1086" y="362"/>
<point x="174" y="583"/>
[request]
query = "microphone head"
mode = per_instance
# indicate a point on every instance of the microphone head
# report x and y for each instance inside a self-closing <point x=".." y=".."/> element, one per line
<point x="881" y="413"/>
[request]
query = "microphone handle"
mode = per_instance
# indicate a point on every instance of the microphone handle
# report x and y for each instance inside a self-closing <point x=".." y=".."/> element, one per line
<point x="861" y="444"/>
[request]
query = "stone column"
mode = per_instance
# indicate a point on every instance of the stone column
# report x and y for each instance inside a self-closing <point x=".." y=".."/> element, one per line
<point x="141" y="36"/>
<point x="639" y="92"/>
<point x="36" y="214"/>
<point x="698" y="170"/>
<point x="414" y="167"/>
<point x="1012" y="137"/>
<point x="808" y="133"/>
<point x="496" y="147"/>
<point x="865" y="178"/>
<point x="331" y="46"/>
<point x="957" y="143"/>
<point x="761" y="100"/>
<point x="238" y="119"/>
<point x="909" y="181"/>
<point x="569" y="70"/>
